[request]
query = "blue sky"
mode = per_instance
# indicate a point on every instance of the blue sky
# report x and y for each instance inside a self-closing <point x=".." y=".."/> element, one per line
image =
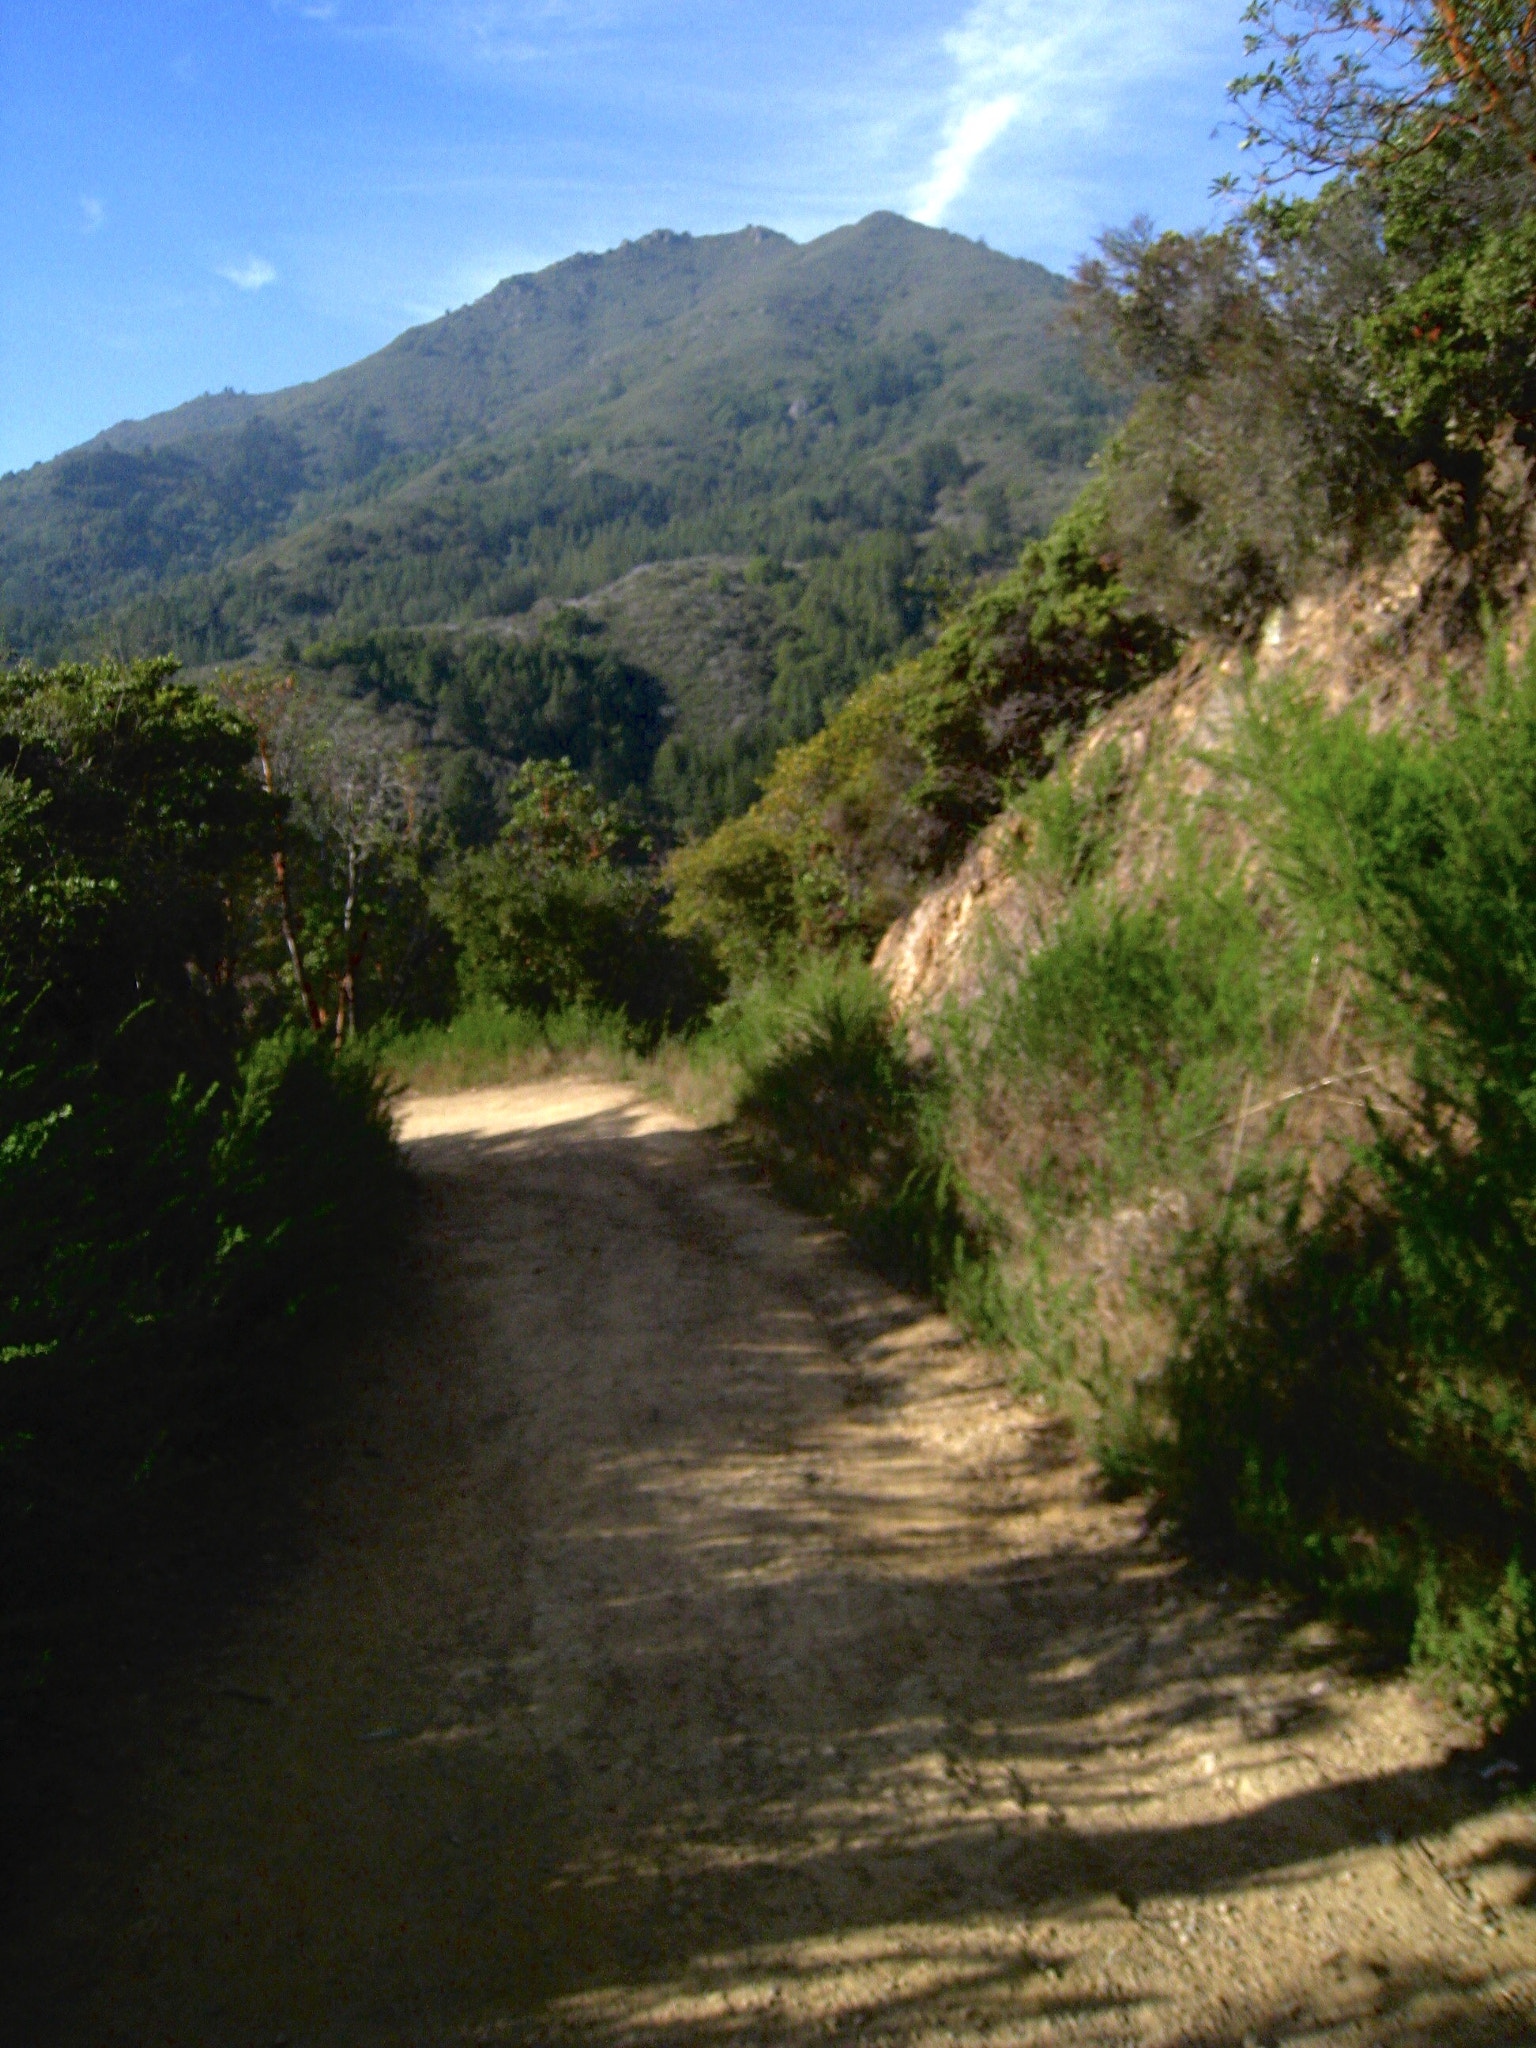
<point x="204" y="193"/>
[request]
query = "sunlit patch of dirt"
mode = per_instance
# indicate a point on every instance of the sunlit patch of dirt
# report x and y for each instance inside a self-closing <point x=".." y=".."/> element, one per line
<point x="698" y="1644"/>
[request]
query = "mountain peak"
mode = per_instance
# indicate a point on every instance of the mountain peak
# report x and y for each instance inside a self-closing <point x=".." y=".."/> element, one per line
<point x="884" y="365"/>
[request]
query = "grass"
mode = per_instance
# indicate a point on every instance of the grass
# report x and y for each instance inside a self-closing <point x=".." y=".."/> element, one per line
<point x="819" y="1089"/>
<point x="486" y="1045"/>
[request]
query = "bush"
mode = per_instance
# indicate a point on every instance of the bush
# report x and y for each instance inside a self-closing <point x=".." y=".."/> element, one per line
<point x="174" y="1192"/>
<point x="1353" y="1400"/>
<point x="1110" y="1049"/>
<point x="830" y="1101"/>
<point x="308" y="1179"/>
<point x="154" y="1244"/>
<point x="564" y="911"/>
<point x="1258" y="443"/>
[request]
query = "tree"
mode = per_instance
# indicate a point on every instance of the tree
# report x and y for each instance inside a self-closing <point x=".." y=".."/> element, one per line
<point x="356" y="792"/>
<point x="130" y="837"/>
<point x="343" y="782"/>
<point x="566" y="908"/>
<point x="1428" y="109"/>
<point x="1354" y="85"/>
<point x="265" y="701"/>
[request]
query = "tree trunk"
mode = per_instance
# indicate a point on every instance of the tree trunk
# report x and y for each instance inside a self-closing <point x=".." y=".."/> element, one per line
<point x="285" y="907"/>
<point x="346" y="1006"/>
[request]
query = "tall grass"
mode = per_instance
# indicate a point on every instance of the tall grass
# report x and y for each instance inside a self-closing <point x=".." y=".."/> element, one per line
<point x="487" y="1043"/>
<point x="825" y="1095"/>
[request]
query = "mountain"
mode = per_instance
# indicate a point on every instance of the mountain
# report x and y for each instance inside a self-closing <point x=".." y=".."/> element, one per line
<point x="679" y="396"/>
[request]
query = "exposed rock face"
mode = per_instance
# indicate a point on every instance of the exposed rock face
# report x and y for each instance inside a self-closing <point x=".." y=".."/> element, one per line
<point x="924" y="955"/>
<point x="1376" y="637"/>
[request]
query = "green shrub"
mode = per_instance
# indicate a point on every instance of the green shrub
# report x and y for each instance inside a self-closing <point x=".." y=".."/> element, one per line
<point x="154" y="1246"/>
<point x="1418" y="852"/>
<point x="176" y="1193"/>
<point x="564" y="911"/>
<point x="1257" y="443"/>
<point x="1114" y="1045"/>
<point x="1481" y="1650"/>
<point x="830" y="1100"/>
<point x="1352" y="1402"/>
<point x="308" y="1179"/>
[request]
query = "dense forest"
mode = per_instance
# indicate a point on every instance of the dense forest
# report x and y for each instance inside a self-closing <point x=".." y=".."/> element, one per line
<point x="682" y="725"/>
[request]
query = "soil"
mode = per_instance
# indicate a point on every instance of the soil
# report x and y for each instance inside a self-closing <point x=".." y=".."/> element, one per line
<point x="693" y="1641"/>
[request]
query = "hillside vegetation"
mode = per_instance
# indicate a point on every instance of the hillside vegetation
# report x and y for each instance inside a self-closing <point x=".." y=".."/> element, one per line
<point x="1210" y="1090"/>
<point x="672" y="398"/>
<point x="673" y="687"/>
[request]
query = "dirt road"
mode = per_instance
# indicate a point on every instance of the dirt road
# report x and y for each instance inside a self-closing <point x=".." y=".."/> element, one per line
<point x="697" y="1644"/>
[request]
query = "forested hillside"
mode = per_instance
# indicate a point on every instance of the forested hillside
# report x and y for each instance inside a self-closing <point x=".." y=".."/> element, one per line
<point x="676" y="397"/>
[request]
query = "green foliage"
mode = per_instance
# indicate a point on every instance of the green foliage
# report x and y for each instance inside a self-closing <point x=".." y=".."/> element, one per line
<point x="128" y="825"/>
<point x="1451" y="344"/>
<point x="1353" y="1399"/>
<point x="1481" y="1649"/>
<point x="553" y="916"/>
<point x="856" y="612"/>
<point x="1323" y="365"/>
<point x="830" y="1101"/>
<point x="308" y="1180"/>
<point x="854" y="821"/>
<point x="1141" y="1008"/>
<point x="736" y="893"/>
<point x="564" y="695"/>
<point x="1420" y="851"/>
<point x="1259" y="443"/>
<point x="172" y="1187"/>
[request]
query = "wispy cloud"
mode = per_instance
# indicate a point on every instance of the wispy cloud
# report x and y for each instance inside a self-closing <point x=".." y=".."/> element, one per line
<point x="971" y="133"/>
<point x="477" y="36"/>
<point x="1052" y="70"/>
<point x="250" y="275"/>
<point x="93" y="214"/>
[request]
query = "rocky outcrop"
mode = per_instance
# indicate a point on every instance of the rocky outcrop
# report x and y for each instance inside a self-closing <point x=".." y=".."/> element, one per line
<point x="1377" y="637"/>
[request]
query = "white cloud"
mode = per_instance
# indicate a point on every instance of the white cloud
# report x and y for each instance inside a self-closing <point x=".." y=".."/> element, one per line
<point x="94" y="214"/>
<point x="250" y="275"/>
<point x="971" y="134"/>
<point x="1060" y="72"/>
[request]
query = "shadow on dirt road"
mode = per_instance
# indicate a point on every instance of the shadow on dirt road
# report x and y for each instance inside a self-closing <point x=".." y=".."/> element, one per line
<point x="692" y="1641"/>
